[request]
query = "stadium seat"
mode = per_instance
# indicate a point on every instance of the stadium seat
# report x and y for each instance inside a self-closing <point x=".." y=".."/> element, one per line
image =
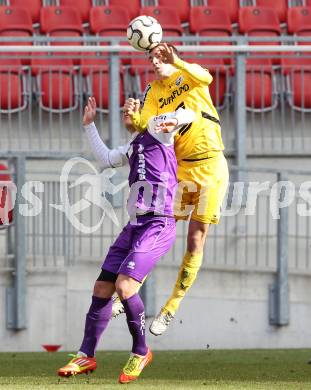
<point x="131" y="6"/>
<point x="33" y="6"/>
<point x="297" y="74"/>
<point x="299" y="21"/>
<point x="255" y="21"/>
<point x="13" y="89"/>
<point x="16" y="22"/>
<point x="6" y="212"/>
<point x="231" y="6"/>
<point x="56" y="84"/>
<point x="83" y="7"/>
<point x="109" y="20"/>
<point x="211" y="22"/>
<point x="260" y="22"/>
<point x="167" y="17"/>
<point x="280" y="6"/>
<point x="182" y="6"/>
<point x="261" y="94"/>
<point x="60" y="21"/>
<point x="95" y="70"/>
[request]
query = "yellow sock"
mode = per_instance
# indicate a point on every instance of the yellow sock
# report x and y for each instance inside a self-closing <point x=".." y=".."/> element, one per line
<point x="186" y="276"/>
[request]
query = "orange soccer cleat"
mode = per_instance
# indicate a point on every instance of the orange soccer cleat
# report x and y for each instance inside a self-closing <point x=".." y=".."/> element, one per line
<point x="134" y="367"/>
<point x="78" y="365"/>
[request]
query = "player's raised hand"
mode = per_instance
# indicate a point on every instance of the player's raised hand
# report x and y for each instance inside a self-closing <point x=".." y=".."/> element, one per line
<point x="131" y="106"/>
<point x="89" y="111"/>
<point x="165" y="53"/>
<point x="167" y="126"/>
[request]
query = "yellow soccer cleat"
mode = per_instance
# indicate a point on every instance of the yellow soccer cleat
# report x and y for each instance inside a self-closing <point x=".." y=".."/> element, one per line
<point x="134" y="367"/>
<point x="78" y="365"/>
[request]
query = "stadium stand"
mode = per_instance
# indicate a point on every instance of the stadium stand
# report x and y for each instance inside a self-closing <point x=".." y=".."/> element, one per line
<point x="280" y="6"/>
<point x="297" y="73"/>
<point x="56" y="84"/>
<point x="255" y="21"/>
<point x="167" y="17"/>
<point x="33" y="6"/>
<point x="182" y="6"/>
<point x="109" y="21"/>
<point x="96" y="74"/>
<point x="15" y="22"/>
<point x="13" y="89"/>
<point x="82" y="6"/>
<point x="60" y="21"/>
<point x="231" y="6"/>
<point x="299" y="21"/>
<point x="211" y="22"/>
<point x="261" y="94"/>
<point x="132" y="6"/>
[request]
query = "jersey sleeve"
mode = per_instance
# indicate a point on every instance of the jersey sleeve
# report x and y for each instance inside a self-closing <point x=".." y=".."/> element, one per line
<point x="195" y="71"/>
<point x="108" y="158"/>
<point x="183" y="116"/>
<point x="149" y="108"/>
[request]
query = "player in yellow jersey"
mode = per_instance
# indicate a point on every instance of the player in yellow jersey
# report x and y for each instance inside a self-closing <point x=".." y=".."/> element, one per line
<point x="202" y="167"/>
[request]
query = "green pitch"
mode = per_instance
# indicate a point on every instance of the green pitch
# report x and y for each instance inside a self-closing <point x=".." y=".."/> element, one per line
<point x="210" y="369"/>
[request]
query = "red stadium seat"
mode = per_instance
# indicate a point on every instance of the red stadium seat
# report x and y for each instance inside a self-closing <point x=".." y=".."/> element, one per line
<point x="231" y="6"/>
<point x="56" y="84"/>
<point x="12" y="86"/>
<point x="260" y="85"/>
<point x="83" y="7"/>
<point x="280" y="6"/>
<point x="33" y="6"/>
<point x="297" y="72"/>
<point x="60" y="21"/>
<point x="131" y="6"/>
<point x="255" y="21"/>
<point x="182" y="6"/>
<point x="299" y="21"/>
<point x="16" y="22"/>
<point x="109" y="21"/>
<point x="168" y="17"/>
<point x="96" y="72"/>
<point x="211" y="22"/>
<point x="6" y="212"/>
<point x="260" y="22"/>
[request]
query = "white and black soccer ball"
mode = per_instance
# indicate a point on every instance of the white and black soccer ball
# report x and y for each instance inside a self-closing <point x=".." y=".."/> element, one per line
<point x="144" y="33"/>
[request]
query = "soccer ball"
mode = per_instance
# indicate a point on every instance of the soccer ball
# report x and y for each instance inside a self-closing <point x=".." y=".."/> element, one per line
<point x="144" y="33"/>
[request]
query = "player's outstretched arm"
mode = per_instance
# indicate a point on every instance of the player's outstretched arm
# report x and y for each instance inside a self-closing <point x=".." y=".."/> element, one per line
<point x="108" y="158"/>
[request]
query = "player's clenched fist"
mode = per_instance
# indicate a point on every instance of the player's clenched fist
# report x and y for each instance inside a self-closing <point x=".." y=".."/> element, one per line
<point x="131" y="106"/>
<point x="89" y="111"/>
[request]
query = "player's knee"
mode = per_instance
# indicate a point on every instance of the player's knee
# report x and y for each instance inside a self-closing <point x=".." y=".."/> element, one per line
<point x="124" y="289"/>
<point x="103" y="289"/>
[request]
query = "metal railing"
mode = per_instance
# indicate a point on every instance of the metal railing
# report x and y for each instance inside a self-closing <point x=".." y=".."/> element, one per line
<point x="261" y="92"/>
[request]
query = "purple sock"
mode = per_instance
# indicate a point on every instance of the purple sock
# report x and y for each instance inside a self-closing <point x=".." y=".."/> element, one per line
<point x="135" y="315"/>
<point x="96" y="322"/>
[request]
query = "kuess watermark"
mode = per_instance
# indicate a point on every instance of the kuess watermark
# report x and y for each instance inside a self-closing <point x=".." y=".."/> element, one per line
<point x="100" y="190"/>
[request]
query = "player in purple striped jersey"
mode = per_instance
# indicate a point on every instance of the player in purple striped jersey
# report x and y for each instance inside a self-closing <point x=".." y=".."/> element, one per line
<point x="148" y="235"/>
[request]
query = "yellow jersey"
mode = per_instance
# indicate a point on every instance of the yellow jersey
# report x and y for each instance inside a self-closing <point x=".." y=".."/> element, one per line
<point x="187" y="88"/>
